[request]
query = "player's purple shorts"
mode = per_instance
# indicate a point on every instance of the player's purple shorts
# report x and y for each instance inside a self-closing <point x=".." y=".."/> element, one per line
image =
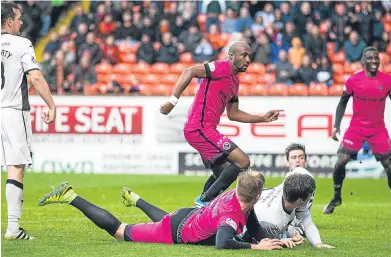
<point x="377" y="138"/>
<point x="151" y="232"/>
<point x="213" y="146"/>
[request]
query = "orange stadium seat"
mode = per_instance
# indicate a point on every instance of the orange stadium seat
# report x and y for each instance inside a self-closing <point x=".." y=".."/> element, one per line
<point x="298" y="89"/>
<point x="351" y="68"/>
<point x="90" y="90"/>
<point x="141" y="68"/>
<point x="330" y="49"/>
<point x="145" y="90"/>
<point x="126" y="80"/>
<point x="339" y="78"/>
<point x="384" y="58"/>
<point x="103" y="68"/>
<point x="336" y="90"/>
<point x="244" y="90"/>
<point x="170" y="79"/>
<point x="247" y="79"/>
<point x="127" y="58"/>
<point x="186" y="58"/>
<point x="151" y="79"/>
<point x="103" y="78"/>
<point x="318" y="89"/>
<point x="267" y="78"/>
<point x="278" y="90"/>
<point x="256" y="68"/>
<point x="338" y="57"/>
<point x="177" y="68"/>
<point x="160" y="68"/>
<point x="191" y="89"/>
<point x="338" y="68"/>
<point x="259" y="90"/>
<point x="387" y="68"/>
<point x="122" y="68"/>
<point x="161" y="90"/>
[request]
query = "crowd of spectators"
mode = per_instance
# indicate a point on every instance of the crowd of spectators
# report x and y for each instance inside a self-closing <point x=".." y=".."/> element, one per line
<point x="296" y="40"/>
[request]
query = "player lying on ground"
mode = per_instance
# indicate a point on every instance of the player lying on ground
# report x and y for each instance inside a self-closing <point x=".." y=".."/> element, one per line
<point x="215" y="224"/>
<point x="369" y="88"/>
<point x="296" y="194"/>
<point x="218" y="90"/>
<point x="17" y="61"/>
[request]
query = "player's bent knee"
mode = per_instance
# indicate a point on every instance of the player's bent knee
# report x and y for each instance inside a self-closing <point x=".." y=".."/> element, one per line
<point x="119" y="234"/>
<point x="343" y="159"/>
<point x="386" y="164"/>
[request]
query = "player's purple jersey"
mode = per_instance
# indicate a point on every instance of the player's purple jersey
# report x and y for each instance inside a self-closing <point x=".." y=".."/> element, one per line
<point x="223" y="211"/>
<point x="219" y="87"/>
<point x="369" y="98"/>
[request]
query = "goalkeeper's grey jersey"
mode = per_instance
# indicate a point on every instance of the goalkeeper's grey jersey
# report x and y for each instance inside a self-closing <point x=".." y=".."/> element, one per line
<point x="17" y="59"/>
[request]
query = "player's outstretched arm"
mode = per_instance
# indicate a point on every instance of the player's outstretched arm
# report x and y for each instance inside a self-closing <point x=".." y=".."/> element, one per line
<point x="235" y="114"/>
<point x="42" y="88"/>
<point x="225" y="235"/>
<point x="311" y="231"/>
<point x="197" y="71"/>
<point x="340" y="112"/>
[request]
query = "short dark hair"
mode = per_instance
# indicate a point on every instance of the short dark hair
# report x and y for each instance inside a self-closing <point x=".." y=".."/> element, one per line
<point x="369" y="49"/>
<point x="294" y="146"/>
<point x="8" y="11"/>
<point x="298" y="186"/>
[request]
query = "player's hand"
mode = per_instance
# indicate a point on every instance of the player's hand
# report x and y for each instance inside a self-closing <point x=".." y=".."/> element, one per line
<point x="49" y="116"/>
<point x="166" y="108"/>
<point x="336" y="134"/>
<point x="269" y="244"/>
<point x="324" y="246"/>
<point x="298" y="239"/>
<point x="288" y="243"/>
<point x="271" y="115"/>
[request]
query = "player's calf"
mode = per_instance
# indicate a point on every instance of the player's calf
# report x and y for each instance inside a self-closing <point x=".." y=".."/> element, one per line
<point x="387" y="168"/>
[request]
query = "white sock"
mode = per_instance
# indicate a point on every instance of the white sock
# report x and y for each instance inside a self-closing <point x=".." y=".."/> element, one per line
<point x="14" y="195"/>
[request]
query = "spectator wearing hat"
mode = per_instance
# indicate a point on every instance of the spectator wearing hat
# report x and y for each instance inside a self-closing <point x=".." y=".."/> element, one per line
<point x="277" y="46"/>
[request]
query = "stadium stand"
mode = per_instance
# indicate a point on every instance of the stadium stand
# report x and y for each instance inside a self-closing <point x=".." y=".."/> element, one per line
<point x="141" y="47"/>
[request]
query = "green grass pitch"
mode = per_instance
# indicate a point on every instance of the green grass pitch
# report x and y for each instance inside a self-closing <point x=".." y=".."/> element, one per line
<point x="360" y="227"/>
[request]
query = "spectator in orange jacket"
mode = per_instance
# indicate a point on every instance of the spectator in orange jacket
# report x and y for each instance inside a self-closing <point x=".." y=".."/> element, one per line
<point x="296" y="52"/>
<point x="107" y="26"/>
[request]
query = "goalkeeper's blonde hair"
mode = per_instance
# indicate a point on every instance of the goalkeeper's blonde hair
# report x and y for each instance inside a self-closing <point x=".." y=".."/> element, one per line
<point x="249" y="186"/>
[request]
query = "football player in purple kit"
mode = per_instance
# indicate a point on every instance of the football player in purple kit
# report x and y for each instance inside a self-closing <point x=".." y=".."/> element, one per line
<point x="218" y="91"/>
<point x="369" y="89"/>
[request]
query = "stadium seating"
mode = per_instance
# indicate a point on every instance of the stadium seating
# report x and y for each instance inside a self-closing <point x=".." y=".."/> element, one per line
<point x="336" y="90"/>
<point x="298" y="89"/>
<point x="318" y="89"/>
<point x="278" y="90"/>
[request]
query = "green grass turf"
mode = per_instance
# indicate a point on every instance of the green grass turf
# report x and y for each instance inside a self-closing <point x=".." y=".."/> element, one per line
<point x="360" y="227"/>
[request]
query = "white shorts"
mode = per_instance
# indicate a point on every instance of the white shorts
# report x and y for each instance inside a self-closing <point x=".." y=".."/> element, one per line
<point x="15" y="137"/>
